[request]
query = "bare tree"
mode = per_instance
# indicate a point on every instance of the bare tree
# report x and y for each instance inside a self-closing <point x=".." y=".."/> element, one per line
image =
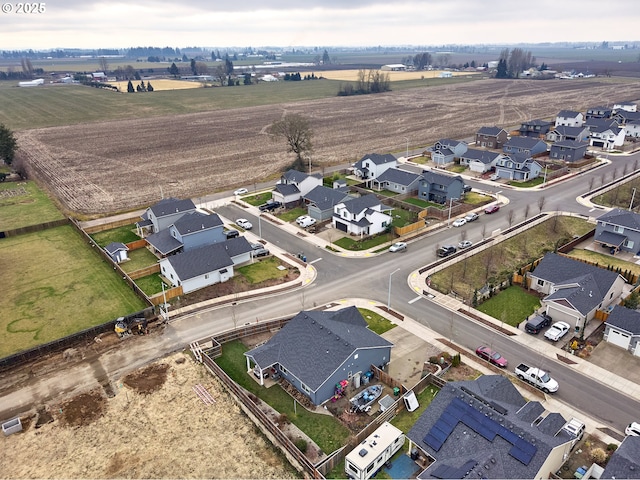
<point x="592" y="180"/>
<point x="103" y="64"/>
<point x="296" y="131"/>
<point x="541" y="201"/>
<point x="483" y="232"/>
<point x="527" y="207"/>
<point x="487" y="261"/>
<point x="510" y="217"/>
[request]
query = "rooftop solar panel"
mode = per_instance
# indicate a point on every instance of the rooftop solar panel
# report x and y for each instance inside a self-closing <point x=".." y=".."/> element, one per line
<point x="432" y="442"/>
<point x="522" y="457"/>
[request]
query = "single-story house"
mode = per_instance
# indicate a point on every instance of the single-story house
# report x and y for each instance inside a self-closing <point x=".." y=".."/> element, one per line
<point x="619" y="229"/>
<point x="191" y="230"/>
<point x="534" y="128"/>
<point x="317" y="349"/>
<point x="491" y="137"/>
<point x="293" y="185"/>
<point x="207" y="265"/>
<point x="158" y="217"/>
<point x="518" y="167"/>
<point x="599" y="112"/>
<point x="373" y="165"/>
<point x="396" y="180"/>
<point x="622" y="328"/>
<point x="485" y="428"/>
<point x="445" y="151"/>
<point x="440" y="187"/>
<point x="624" y="462"/>
<point x="321" y="200"/>
<point x="525" y="145"/>
<point x="562" y="132"/>
<point x="568" y="150"/>
<point x="480" y="161"/>
<point x="569" y="118"/>
<point x="361" y="216"/>
<point x="117" y="251"/>
<point x="574" y="289"/>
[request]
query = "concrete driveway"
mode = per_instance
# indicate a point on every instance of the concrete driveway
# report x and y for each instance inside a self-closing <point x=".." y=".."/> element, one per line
<point x="616" y="360"/>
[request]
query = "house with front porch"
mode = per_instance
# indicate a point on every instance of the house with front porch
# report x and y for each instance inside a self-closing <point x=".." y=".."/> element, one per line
<point x="561" y="133"/>
<point x="524" y="145"/>
<point x="619" y="229"/>
<point x="316" y="350"/>
<point x="361" y="216"/>
<point x="534" y="128"/>
<point x="574" y="290"/>
<point x="440" y="187"/>
<point x="321" y="201"/>
<point x="569" y="118"/>
<point x="158" y="217"/>
<point x="491" y="137"/>
<point x="398" y="181"/>
<point x="605" y="134"/>
<point x="372" y="165"/>
<point x="622" y="328"/>
<point x="568" y="150"/>
<point x="445" y="151"/>
<point x="480" y="161"/>
<point x="517" y="166"/>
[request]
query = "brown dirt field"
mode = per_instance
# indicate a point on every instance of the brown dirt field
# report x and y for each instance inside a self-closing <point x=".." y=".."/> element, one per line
<point x="154" y="427"/>
<point x="108" y="167"/>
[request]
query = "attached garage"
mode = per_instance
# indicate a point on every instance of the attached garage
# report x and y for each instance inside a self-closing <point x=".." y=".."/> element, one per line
<point x="622" y="329"/>
<point x="343" y="227"/>
<point x="619" y="338"/>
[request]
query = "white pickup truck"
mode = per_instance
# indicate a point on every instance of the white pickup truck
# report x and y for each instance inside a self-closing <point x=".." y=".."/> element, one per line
<point x="575" y="428"/>
<point x="537" y="378"/>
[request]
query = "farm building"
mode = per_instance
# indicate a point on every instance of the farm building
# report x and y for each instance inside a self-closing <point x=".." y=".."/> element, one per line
<point x="394" y="67"/>
<point x="31" y="83"/>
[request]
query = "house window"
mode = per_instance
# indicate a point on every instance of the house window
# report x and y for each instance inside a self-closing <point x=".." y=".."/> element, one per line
<point x="171" y="275"/>
<point x="540" y="282"/>
<point x="618" y="229"/>
<point x="304" y="388"/>
<point x="628" y="243"/>
<point x="206" y="276"/>
<point x="283" y="370"/>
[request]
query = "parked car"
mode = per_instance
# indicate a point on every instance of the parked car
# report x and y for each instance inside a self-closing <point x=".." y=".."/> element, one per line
<point x="305" y="221"/>
<point x="471" y="217"/>
<point x="256" y="246"/>
<point x="244" y="223"/>
<point x="557" y="331"/>
<point x="466" y="188"/>
<point x="537" y="323"/>
<point x="232" y="233"/>
<point x="459" y="222"/>
<point x="270" y="206"/>
<point x="446" y="250"/>
<point x="465" y="244"/>
<point x="633" y="429"/>
<point x="492" y="208"/>
<point x="260" y="252"/>
<point x="536" y="377"/>
<point x="241" y="191"/>
<point x="398" y="247"/>
<point x="491" y="356"/>
<point x="494" y="177"/>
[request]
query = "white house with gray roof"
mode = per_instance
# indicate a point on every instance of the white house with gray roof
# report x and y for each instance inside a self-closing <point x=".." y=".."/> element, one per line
<point x="622" y="328"/>
<point x="321" y="201"/>
<point x="361" y="216"/>
<point x="164" y="213"/>
<point x="569" y="118"/>
<point x="480" y="161"/>
<point x="372" y="165"/>
<point x="317" y="349"/>
<point x="605" y="133"/>
<point x="398" y="181"/>
<point x="619" y="229"/>
<point x="562" y="132"/>
<point x="485" y="428"/>
<point x="574" y="289"/>
<point x="293" y="185"/>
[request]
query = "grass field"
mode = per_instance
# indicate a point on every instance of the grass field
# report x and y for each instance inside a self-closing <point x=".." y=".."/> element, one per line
<point x="23" y="204"/>
<point x="377" y="323"/>
<point x="57" y="286"/>
<point x="512" y="306"/>
<point x="124" y="234"/>
<point x="159" y="85"/>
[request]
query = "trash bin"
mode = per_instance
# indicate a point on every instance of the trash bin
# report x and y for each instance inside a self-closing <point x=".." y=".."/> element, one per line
<point x="396" y="391"/>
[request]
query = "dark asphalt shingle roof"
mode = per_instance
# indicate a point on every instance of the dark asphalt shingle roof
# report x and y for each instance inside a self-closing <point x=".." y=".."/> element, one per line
<point x="483" y="156"/>
<point x="523" y="142"/>
<point x="568" y="114"/>
<point x="195" y="222"/>
<point x="114" y="247"/>
<point x="625" y="460"/>
<point x="286" y="189"/>
<point x="401" y="177"/>
<point x="622" y="218"/>
<point x="566" y="131"/>
<point x="163" y="242"/>
<point x="537" y="122"/>
<point x="601" y="125"/>
<point x="169" y="206"/>
<point x="359" y="204"/>
<point x="573" y="144"/>
<point x="315" y="343"/>
<point x="490" y="131"/>
<point x="625" y="319"/>
<point x="325" y="198"/>
<point x="294" y="176"/>
<point x="377" y="159"/>
<point x="610" y="238"/>
<point x="440" y="178"/>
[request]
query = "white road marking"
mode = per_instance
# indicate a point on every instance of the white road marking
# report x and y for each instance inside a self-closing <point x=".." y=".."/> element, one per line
<point x="316" y="260"/>
<point x="415" y="299"/>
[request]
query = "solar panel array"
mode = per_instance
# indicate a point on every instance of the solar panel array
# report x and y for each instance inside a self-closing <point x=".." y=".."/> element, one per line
<point x="445" y="471"/>
<point x="459" y="411"/>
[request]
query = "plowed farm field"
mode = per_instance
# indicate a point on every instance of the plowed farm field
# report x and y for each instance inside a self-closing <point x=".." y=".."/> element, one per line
<point x="106" y="167"/>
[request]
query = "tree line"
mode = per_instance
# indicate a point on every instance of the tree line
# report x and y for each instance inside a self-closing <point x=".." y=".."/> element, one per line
<point x="368" y="81"/>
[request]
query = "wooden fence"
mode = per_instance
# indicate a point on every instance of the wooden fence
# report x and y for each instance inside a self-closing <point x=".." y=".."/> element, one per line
<point x="109" y="225"/>
<point x="159" y="298"/>
<point x="34" y="228"/>
<point x="143" y="272"/>
<point x="137" y="244"/>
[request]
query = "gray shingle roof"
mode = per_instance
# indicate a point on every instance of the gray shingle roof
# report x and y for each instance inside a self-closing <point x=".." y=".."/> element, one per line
<point x="625" y="319"/>
<point x="537" y="122"/>
<point x="568" y="114"/>
<point x="196" y="221"/>
<point x="163" y="242"/>
<point x="522" y="142"/>
<point x="325" y="198"/>
<point x="622" y="218"/>
<point x="358" y="204"/>
<point x="169" y="206"/>
<point x="286" y="189"/>
<point x="440" y="178"/>
<point x="315" y="343"/>
<point x="401" y="177"/>
<point x="566" y="131"/>
<point x="294" y="176"/>
<point x="625" y="461"/>
<point x="575" y="144"/>
<point x="490" y="131"/>
<point x="483" y="156"/>
<point x="377" y="158"/>
<point x="114" y="247"/>
<point x="601" y="125"/>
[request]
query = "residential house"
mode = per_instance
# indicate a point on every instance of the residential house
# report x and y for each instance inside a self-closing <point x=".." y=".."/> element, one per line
<point x="574" y="290"/>
<point x="568" y="150"/>
<point x="491" y="137"/>
<point x="191" y="230"/>
<point x="534" y="128"/>
<point x="622" y="328"/>
<point x="605" y="134"/>
<point x="632" y="129"/>
<point x="480" y="161"/>
<point x="440" y="187"/>
<point x="398" y="181"/>
<point x="599" y="112"/>
<point x="321" y="201"/>
<point x="164" y="213"/>
<point x="619" y="229"/>
<point x="485" y="428"/>
<point x="561" y="132"/>
<point x="625" y="106"/>
<point x="445" y="151"/>
<point x="624" y="462"/>
<point x="318" y="349"/>
<point x="569" y="118"/>
<point x="525" y="145"/>
<point x="517" y="166"/>
<point x="293" y="185"/>
<point x="206" y="265"/>
<point x="117" y="251"/>
<point x="623" y="117"/>
<point x="361" y="216"/>
<point x="372" y="165"/>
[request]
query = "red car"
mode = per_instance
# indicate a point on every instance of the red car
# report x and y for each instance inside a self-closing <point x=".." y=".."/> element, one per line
<point x="492" y="208"/>
<point x="491" y="356"/>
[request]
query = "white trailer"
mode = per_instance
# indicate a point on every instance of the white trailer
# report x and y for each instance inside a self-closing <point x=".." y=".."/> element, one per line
<point x="368" y="457"/>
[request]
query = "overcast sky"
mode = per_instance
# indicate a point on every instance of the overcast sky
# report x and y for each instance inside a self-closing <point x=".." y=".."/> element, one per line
<point x="285" y="23"/>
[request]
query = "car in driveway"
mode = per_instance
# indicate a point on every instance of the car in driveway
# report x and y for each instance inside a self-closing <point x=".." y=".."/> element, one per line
<point x="232" y="233"/>
<point x="260" y="252"/>
<point x="494" y="177"/>
<point x="557" y="331"/>
<point x="491" y="356"/>
<point x="492" y="208"/>
<point x="459" y="222"/>
<point x="464" y="244"/>
<point x="537" y="323"/>
<point x="270" y="206"/>
<point x="305" y="221"/>
<point x="446" y="250"/>
<point x="471" y="217"/>
<point x="398" y="247"/>
<point x="466" y="188"/>
<point x="241" y="191"/>
<point x="633" y="429"/>
<point x="244" y="223"/>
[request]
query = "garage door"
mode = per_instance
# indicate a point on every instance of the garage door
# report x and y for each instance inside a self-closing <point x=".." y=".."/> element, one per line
<point x="341" y="226"/>
<point x="598" y="143"/>
<point x="618" y="338"/>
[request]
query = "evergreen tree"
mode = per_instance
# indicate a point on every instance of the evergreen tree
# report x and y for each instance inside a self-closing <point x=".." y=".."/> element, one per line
<point x="149" y="87"/>
<point x="502" y="69"/>
<point x="174" y="70"/>
<point x="8" y="145"/>
<point x="130" y="88"/>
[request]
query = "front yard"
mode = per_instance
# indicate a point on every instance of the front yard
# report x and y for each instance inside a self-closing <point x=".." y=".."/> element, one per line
<point x="512" y="305"/>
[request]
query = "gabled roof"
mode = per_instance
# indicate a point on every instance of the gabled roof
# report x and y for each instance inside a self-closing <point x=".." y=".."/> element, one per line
<point x="294" y="176"/>
<point x="622" y="218"/>
<point x="325" y="198"/>
<point x="523" y="142"/>
<point x="537" y="122"/>
<point x="625" y="460"/>
<point x="115" y="247"/>
<point x="315" y="343"/>
<point x="628" y="116"/>
<point x="286" y="189"/>
<point x="568" y="114"/>
<point x="490" y="131"/>
<point x="431" y="177"/>
<point x="395" y="175"/>
<point x="601" y="124"/>
<point x="448" y="142"/>
<point x="565" y="130"/>
<point x="163" y="242"/>
<point x="377" y="159"/>
<point x="625" y="319"/>
<point x="359" y="204"/>
<point x="483" y="156"/>
<point x="575" y="144"/>
<point x="196" y="222"/>
<point x="170" y="206"/>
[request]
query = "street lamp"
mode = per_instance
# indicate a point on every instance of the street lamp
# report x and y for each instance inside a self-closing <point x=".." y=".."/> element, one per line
<point x="259" y="227"/>
<point x="389" y="298"/>
<point x="406" y="157"/>
<point x="450" y="205"/>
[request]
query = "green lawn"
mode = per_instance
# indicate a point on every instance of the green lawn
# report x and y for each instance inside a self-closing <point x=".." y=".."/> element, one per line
<point x="257" y="199"/>
<point x="151" y="284"/>
<point x="138" y="259"/>
<point x="58" y="286"/>
<point x="352" y="243"/>
<point x="528" y="184"/>
<point x="513" y="305"/>
<point x="328" y="433"/>
<point x="405" y="419"/>
<point x="377" y="323"/>
<point x="292" y="214"/>
<point x="124" y="234"/>
<point x="23" y="209"/>
<point x="604" y="260"/>
<point x="421" y="203"/>
<point x="402" y="218"/>
<point x="266" y="269"/>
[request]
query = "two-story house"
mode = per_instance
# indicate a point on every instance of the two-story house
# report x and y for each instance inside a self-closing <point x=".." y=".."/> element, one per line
<point x="321" y="201"/>
<point x="524" y="145"/>
<point x="625" y="106"/>
<point x="569" y="118"/>
<point x="623" y="117"/>
<point x="633" y="129"/>
<point x="568" y="150"/>
<point x="562" y="132"/>
<point x="439" y="187"/>
<point x="491" y="137"/>
<point x="480" y="161"/>
<point x="372" y="165"/>
<point x="293" y="185"/>
<point x="598" y="112"/>
<point x="534" y="128"/>
<point x="517" y="166"/>
<point x="361" y="216"/>
<point x="190" y="231"/>
<point x="619" y="229"/>
<point x="164" y="213"/>
<point x="605" y="133"/>
<point x="445" y="151"/>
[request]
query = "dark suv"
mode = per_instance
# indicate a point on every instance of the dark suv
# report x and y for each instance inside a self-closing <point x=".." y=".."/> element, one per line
<point x="537" y="323"/>
<point x="446" y="250"/>
<point x="269" y="206"/>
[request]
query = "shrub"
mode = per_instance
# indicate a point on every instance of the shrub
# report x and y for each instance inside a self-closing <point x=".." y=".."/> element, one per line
<point x="283" y="419"/>
<point x="598" y="455"/>
<point x="455" y="361"/>
<point x="612" y="447"/>
<point x="434" y="360"/>
<point x="301" y="444"/>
